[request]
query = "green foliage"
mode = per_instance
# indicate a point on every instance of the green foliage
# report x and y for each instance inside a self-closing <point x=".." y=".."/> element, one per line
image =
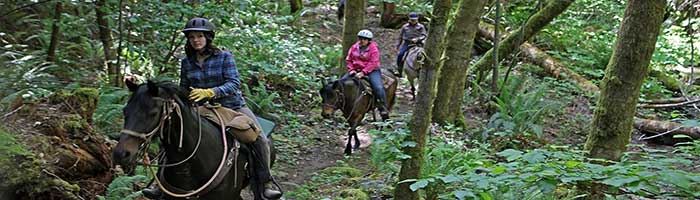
<point x="386" y="147"/>
<point x="260" y="100"/>
<point x="122" y="187"/>
<point x="520" y="111"/>
<point x="555" y="172"/>
<point x="108" y="115"/>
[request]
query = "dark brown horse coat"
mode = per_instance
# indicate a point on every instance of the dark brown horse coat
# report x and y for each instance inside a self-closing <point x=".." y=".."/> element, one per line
<point x="354" y="99"/>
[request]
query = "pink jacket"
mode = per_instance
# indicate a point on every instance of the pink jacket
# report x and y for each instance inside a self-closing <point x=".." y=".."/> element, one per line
<point x="366" y="61"/>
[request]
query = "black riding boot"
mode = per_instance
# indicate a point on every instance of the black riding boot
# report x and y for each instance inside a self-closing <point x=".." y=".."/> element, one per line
<point x="152" y="193"/>
<point x="261" y="166"/>
<point x="382" y="109"/>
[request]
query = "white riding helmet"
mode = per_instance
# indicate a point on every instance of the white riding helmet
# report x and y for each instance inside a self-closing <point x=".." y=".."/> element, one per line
<point x="365" y="34"/>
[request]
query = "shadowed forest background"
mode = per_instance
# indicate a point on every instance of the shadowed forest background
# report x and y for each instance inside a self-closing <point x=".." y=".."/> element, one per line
<point x="589" y="99"/>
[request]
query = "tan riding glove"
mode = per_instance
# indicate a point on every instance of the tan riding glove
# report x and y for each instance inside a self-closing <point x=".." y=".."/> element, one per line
<point x="201" y="94"/>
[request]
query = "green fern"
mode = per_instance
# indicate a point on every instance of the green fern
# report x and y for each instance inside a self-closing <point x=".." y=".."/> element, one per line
<point x="122" y="188"/>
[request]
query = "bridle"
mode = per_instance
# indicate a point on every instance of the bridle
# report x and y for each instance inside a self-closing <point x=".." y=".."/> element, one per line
<point x="340" y="98"/>
<point x="170" y="106"/>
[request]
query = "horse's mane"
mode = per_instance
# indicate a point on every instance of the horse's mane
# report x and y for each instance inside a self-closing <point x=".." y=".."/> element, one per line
<point x="173" y="88"/>
<point x="165" y="89"/>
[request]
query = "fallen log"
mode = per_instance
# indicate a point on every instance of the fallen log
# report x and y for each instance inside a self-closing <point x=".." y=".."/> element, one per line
<point x="552" y="66"/>
<point x="667" y="101"/>
<point x="393" y="20"/>
<point x="669" y="105"/>
<point x="664" y="131"/>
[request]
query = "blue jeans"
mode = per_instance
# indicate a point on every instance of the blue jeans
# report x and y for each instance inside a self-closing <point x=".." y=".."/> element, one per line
<point x="375" y="79"/>
<point x="402" y="52"/>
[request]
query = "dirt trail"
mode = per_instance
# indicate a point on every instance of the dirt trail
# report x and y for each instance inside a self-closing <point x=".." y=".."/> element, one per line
<point x="330" y="141"/>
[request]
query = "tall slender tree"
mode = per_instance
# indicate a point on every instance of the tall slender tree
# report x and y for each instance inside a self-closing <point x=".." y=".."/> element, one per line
<point x="295" y="5"/>
<point x="629" y="64"/>
<point x="105" y="32"/>
<point x="411" y="168"/>
<point x="353" y="23"/>
<point x="459" y="40"/>
<point x="55" y="32"/>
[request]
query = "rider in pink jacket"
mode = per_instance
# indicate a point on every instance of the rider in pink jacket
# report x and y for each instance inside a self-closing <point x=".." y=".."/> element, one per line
<point x="363" y="60"/>
<point x="366" y="60"/>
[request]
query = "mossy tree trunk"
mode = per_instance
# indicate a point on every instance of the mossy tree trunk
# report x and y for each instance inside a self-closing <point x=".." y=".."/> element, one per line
<point x="533" y="25"/>
<point x="410" y="168"/>
<point x="625" y="73"/>
<point x="353" y="23"/>
<point x="105" y="33"/>
<point x="453" y="74"/>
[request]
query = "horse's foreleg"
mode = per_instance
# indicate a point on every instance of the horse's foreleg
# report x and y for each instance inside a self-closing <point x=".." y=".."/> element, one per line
<point x="413" y="91"/>
<point x="357" y="140"/>
<point x="374" y="115"/>
<point x="348" y="149"/>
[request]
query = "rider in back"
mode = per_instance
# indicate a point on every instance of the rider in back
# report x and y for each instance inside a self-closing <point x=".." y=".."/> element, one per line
<point x="363" y="60"/>
<point x="411" y="33"/>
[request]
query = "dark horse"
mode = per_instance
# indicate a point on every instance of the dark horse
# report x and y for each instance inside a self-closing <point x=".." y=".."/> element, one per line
<point x="193" y="146"/>
<point x="354" y="99"/>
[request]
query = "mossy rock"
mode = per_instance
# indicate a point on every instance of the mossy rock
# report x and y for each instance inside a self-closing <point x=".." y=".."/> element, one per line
<point x="353" y="194"/>
<point x="66" y="125"/>
<point x="82" y="101"/>
<point x="27" y="175"/>
<point x="346" y="171"/>
<point x="18" y="165"/>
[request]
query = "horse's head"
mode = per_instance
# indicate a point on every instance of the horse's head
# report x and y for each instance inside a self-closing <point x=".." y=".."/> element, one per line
<point x="144" y="115"/>
<point x="332" y="98"/>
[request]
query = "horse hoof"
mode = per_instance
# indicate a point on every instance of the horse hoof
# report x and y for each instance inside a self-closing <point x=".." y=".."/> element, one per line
<point x="348" y="151"/>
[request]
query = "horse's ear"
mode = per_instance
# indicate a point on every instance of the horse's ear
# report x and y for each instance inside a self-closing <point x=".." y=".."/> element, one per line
<point x="152" y="88"/>
<point x="131" y="85"/>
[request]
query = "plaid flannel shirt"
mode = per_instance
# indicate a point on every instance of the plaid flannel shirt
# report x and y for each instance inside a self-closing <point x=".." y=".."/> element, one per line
<point x="218" y="72"/>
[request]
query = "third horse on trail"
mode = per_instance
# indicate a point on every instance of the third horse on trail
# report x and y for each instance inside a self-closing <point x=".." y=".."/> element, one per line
<point x="354" y="98"/>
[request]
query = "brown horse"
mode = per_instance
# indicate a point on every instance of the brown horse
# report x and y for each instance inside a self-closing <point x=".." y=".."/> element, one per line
<point x="354" y="99"/>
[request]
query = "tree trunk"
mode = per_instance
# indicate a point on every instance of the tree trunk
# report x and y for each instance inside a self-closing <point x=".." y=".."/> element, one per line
<point x="105" y="32"/>
<point x="353" y="23"/>
<point x="629" y="64"/>
<point x="453" y="75"/>
<point x="410" y="168"/>
<point x="55" y="33"/>
<point x="533" y="25"/>
<point x="295" y="5"/>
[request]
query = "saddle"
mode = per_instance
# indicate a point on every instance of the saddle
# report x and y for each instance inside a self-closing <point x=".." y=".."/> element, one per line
<point x="387" y="80"/>
<point x="239" y="125"/>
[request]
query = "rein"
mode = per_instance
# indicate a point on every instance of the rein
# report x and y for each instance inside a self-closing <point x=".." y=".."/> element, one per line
<point x="168" y="107"/>
<point x="340" y="95"/>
